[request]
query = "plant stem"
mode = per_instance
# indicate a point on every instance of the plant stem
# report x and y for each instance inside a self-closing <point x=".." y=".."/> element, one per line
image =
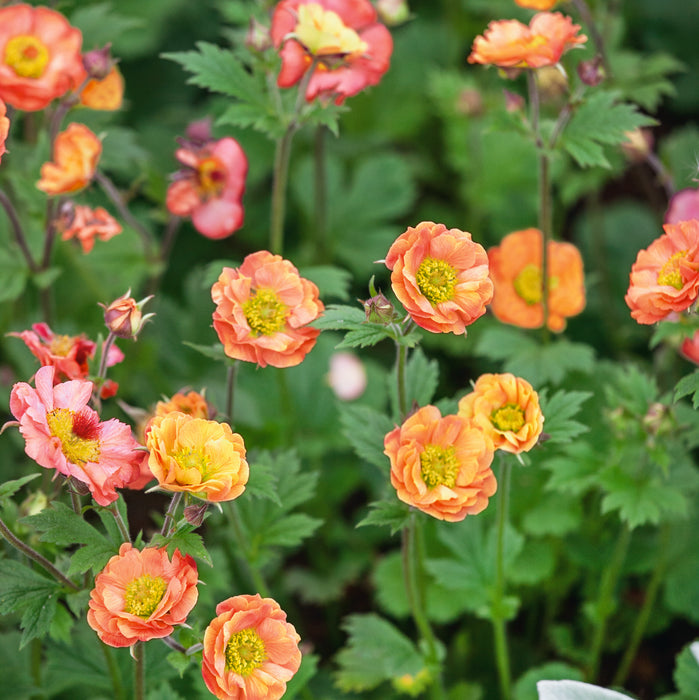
<point x="120" y="522"/>
<point x="586" y="16"/>
<point x="18" y="231"/>
<point x="34" y="555"/>
<point x="139" y="671"/>
<point x="321" y="197"/>
<point x="603" y="607"/>
<point x="498" y="614"/>
<point x="401" y="354"/>
<point x="169" y="520"/>
<point x="255" y="574"/>
<point x="231" y="376"/>
<point x="113" y="670"/>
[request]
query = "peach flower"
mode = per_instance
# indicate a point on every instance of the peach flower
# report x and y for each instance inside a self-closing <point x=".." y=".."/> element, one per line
<point x="515" y="267"/>
<point x="263" y="309"/>
<point x="507" y="409"/>
<point x="690" y="348"/>
<point x="683" y="206"/>
<point x="351" y="50"/>
<point x="441" y="465"/>
<point x="63" y="433"/>
<point x="665" y="276"/>
<point x="210" y="187"/>
<point x="508" y="43"/>
<point x="250" y="650"/>
<point x="40" y="56"/>
<point x="537" y="4"/>
<point x="440" y="276"/>
<point x="68" y="354"/>
<point x="142" y="595"/>
<point x="76" y="152"/>
<point x="199" y="456"/>
<point x="106" y="94"/>
<point x="4" y="128"/>
<point x="85" y="225"/>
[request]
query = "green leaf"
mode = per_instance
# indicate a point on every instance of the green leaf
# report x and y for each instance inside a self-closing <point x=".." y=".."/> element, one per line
<point x="576" y="471"/>
<point x="393" y="513"/>
<point x="340" y="317"/>
<point x="553" y="516"/>
<point x="213" y="352"/>
<point x="14" y="275"/>
<point x="421" y="378"/>
<point x="186" y="541"/>
<point x="375" y="652"/>
<point x="688" y="385"/>
<point x="100" y="25"/>
<point x="308" y="669"/>
<point x="331" y="281"/>
<point x="61" y="525"/>
<point x="686" y="673"/>
<point x="366" y="428"/>
<point x="558" y="412"/>
<point x="9" y="488"/>
<point x="262" y="482"/>
<point x="503" y="342"/>
<point x="291" y="530"/>
<point x="525" y="687"/>
<point x="369" y="334"/>
<point x="551" y="363"/>
<point x="600" y="120"/>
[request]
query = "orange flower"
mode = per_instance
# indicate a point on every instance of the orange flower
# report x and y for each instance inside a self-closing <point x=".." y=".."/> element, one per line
<point x="75" y="155"/>
<point x="39" y="56"/>
<point x="515" y="266"/>
<point x="86" y="224"/>
<point x="193" y="403"/>
<point x="665" y="276"/>
<point x="106" y="94"/>
<point x="4" y="128"/>
<point x="537" y="4"/>
<point x="250" y="650"/>
<point x="199" y="456"/>
<point x="440" y="276"/>
<point x="510" y="44"/>
<point x="507" y="409"/>
<point x="441" y="465"/>
<point x="142" y="595"/>
<point x="263" y="309"/>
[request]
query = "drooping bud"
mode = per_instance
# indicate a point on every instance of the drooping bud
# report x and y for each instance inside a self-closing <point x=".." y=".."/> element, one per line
<point x="199" y="132"/>
<point x="99" y="62"/>
<point x="553" y="82"/>
<point x="378" y="309"/>
<point x="638" y="145"/>
<point x="393" y="12"/>
<point x="194" y="514"/>
<point x="258" y="37"/>
<point x="591" y="72"/>
<point x="124" y="316"/>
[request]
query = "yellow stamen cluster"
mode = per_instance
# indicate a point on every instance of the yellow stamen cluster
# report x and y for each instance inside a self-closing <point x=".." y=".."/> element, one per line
<point x="245" y="652"/>
<point x="439" y="466"/>
<point x="436" y="280"/>
<point x="143" y="594"/>
<point x="26" y="55"/>
<point x="509" y="417"/>
<point x="61" y="345"/>
<point x="78" y="450"/>
<point x="195" y="459"/>
<point x="265" y="313"/>
<point x="212" y="176"/>
<point x="323" y="33"/>
<point x="527" y="284"/>
<point x="670" y="273"/>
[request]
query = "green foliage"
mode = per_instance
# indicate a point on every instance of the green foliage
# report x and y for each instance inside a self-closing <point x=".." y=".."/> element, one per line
<point x="559" y="411"/>
<point x="391" y="512"/>
<point x="10" y="488"/>
<point x="365" y="428"/>
<point x="525" y="687"/>
<point x="375" y="652"/>
<point x="421" y="378"/>
<point x="186" y="541"/>
<point x="688" y="385"/>
<point x="687" y="672"/>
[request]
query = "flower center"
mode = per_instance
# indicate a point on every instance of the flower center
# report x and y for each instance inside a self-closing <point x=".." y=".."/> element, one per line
<point x="439" y="466"/>
<point x="436" y="280"/>
<point x="670" y="273"/>
<point x="61" y="345"/>
<point x="265" y="314"/>
<point x="195" y="459"/>
<point x="212" y="176"/>
<point x="26" y="55"/>
<point x="323" y="33"/>
<point x="508" y="418"/>
<point x="245" y="652"/>
<point x="78" y="433"/>
<point x="528" y="284"/>
<point x="143" y="594"/>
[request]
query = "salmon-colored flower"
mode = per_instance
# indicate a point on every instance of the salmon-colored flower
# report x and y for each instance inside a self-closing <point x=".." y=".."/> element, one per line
<point x="340" y="39"/>
<point x="440" y="276"/>
<point x="192" y="403"/>
<point x="683" y="206"/>
<point x="510" y="44"/>
<point x="76" y="152"/>
<point x="507" y="409"/>
<point x="202" y="457"/>
<point x="263" y="309"/>
<point x="124" y="316"/>
<point x="515" y="267"/>
<point x="210" y="187"/>
<point x="106" y="94"/>
<point x="142" y="595"/>
<point x="85" y="225"/>
<point x="250" y="650"/>
<point x="68" y="354"/>
<point x="63" y="433"/>
<point x="441" y="465"/>
<point x="690" y="348"/>
<point x="4" y="128"/>
<point x="537" y="4"/>
<point x="39" y="56"/>
<point x="665" y="276"/>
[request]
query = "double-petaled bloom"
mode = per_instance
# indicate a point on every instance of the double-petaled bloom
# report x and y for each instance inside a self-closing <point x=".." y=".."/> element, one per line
<point x="516" y="271"/>
<point x="340" y="41"/>
<point x="76" y="153"/>
<point x="198" y="456"/>
<point x="665" y="276"/>
<point x="39" y="56"/>
<point x="63" y="433"/>
<point x="508" y="43"/>
<point x="142" y="595"/>
<point x="250" y="651"/>
<point x="507" y="409"/>
<point x="441" y="465"/>
<point x="263" y="309"/>
<point x="440" y="276"/>
<point x="209" y="189"/>
<point x="86" y="225"/>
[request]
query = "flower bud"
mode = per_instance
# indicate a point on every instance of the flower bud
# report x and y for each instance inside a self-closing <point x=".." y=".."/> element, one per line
<point x="33" y="504"/>
<point x="553" y="82"/>
<point x="124" y="316"/>
<point x="199" y="132"/>
<point x="194" y="514"/>
<point x="99" y="62"/>
<point x="591" y="72"/>
<point x="378" y="309"/>
<point x="638" y="145"/>
<point x="513" y="101"/>
<point x="393" y="12"/>
<point x="257" y="37"/>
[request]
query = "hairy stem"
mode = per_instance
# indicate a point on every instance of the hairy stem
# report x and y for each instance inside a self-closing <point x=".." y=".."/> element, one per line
<point x="169" y="520"/>
<point x="113" y="671"/>
<point x="138" y="652"/>
<point x="18" y="231"/>
<point x="123" y="529"/>
<point x="231" y="376"/>
<point x="401" y="354"/>
<point x="320" y="196"/>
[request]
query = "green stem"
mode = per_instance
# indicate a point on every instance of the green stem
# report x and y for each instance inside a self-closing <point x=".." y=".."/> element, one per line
<point x="123" y="529"/>
<point x="321" y="197"/>
<point x="401" y="354"/>
<point x="35" y="556"/>
<point x="498" y="615"/>
<point x="587" y="18"/>
<point x="102" y="371"/>
<point x="231" y="376"/>
<point x="113" y="670"/>
<point x="254" y="572"/>
<point x="169" y="520"/>
<point x="139" y="672"/>
<point x="18" y="231"/>
<point x="604" y="605"/>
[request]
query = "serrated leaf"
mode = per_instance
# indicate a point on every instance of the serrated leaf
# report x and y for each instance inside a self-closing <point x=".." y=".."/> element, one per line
<point x="421" y="378"/>
<point x="10" y="488"/>
<point x="375" y="652"/>
<point x="367" y="335"/>
<point x="291" y="530"/>
<point x="60" y="525"/>
<point x="187" y="542"/>
<point x="575" y="472"/>
<point x="551" y="363"/>
<point x="688" y="385"/>
<point x="503" y="342"/>
<point x="332" y="281"/>
<point x="262" y="482"/>
<point x="558" y="413"/>
<point x="395" y="514"/>
<point x="366" y="428"/>
<point x="340" y="317"/>
<point x="92" y="557"/>
<point x="37" y="618"/>
<point x="100" y="25"/>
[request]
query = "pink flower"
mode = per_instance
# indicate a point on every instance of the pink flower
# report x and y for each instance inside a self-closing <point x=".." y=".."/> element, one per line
<point x="86" y="224"/>
<point x="68" y="354"/>
<point x="349" y="49"/>
<point x="63" y="433"/>
<point x="683" y="206"/>
<point x="690" y="348"/>
<point x="210" y="187"/>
